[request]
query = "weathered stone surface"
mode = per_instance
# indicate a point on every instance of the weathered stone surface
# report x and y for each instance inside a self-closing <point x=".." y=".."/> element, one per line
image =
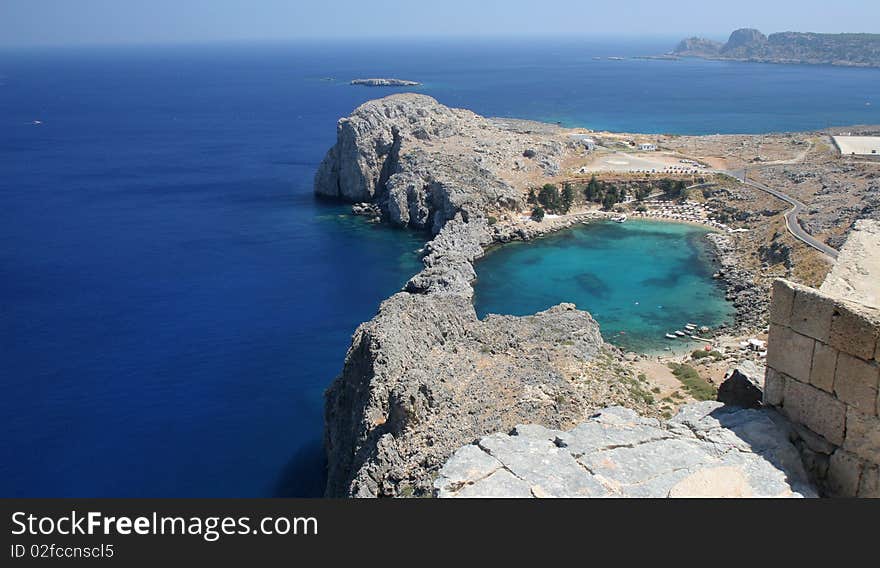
<point x="862" y="435"/>
<point x="811" y="314"/>
<point x="824" y="366"/>
<point x="855" y="274"/>
<point x="774" y="387"/>
<point x="790" y="352"/>
<point x="856" y="382"/>
<point x="844" y="474"/>
<point x="781" y="303"/>
<point x="468" y="465"/>
<point x="818" y="410"/>
<point x="743" y="385"/>
<point x="854" y="330"/>
<point x="707" y="450"/>
<point x="550" y="471"/>
<point x="869" y="486"/>
<point x="501" y="484"/>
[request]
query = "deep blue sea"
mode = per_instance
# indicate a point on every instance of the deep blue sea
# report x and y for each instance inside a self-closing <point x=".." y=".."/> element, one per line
<point x="173" y="301"/>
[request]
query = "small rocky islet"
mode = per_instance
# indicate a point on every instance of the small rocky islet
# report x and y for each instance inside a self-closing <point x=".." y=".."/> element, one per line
<point x="385" y="82"/>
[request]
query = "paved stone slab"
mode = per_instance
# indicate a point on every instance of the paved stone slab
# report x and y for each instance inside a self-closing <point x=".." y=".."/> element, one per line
<point x="707" y="450"/>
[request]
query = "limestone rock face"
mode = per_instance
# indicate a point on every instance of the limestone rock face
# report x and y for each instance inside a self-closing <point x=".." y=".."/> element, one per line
<point x="425" y="376"/>
<point x="698" y="47"/>
<point x="744" y="41"/>
<point x="423" y="163"/>
<point x="743" y="385"/>
<point x="707" y="450"/>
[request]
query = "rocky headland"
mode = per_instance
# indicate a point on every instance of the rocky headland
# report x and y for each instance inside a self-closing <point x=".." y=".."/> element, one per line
<point x="425" y="376"/>
<point x="853" y="50"/>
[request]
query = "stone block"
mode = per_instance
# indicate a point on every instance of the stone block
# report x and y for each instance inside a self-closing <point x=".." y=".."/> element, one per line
<point x="844" y="474"/>
<point x="811" y="314"/>
<point x="790" y="353"/>
<point x="774" y="387"/>
<point x="781" y="303"/>
<point x="862" y="435"/>
<point x="854" y="332"/>
<point x="870" y="483"/>
<point x="824" y="364"/>
<point x="856" y="381"/>
<point x="815" y="409"/>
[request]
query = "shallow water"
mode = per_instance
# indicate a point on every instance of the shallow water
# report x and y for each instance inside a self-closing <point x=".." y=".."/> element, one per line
<point x="639" y="279"/>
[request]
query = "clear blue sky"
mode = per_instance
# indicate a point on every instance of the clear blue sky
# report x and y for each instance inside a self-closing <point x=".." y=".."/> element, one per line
<point x="41" y="22"/>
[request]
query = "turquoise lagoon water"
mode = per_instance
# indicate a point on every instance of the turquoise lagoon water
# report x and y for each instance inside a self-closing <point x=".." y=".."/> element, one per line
<point x="639" y="279"/>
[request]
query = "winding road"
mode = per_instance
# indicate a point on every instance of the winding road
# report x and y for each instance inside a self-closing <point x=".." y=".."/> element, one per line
<point x="791" y="221"/>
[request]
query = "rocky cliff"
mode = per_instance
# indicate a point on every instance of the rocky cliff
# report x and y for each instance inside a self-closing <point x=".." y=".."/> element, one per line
<point x="423" y="163"/>
<point x="425" y="375"/>
<point x="859" y="50"/>
<point x="698" y="47"/>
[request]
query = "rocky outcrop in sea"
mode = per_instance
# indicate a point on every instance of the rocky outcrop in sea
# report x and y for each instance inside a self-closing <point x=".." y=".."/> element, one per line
<point x="385" y="82"/>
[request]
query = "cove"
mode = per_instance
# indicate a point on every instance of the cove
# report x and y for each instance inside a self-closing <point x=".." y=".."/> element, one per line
<point x="639" y="280"/>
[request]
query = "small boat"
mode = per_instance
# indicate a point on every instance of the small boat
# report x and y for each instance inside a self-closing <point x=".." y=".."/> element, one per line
<point x="670" y="336"/>
<point x="679" y="333"/>
<point x="619" y="219"/>
<point x="691" y="325"/>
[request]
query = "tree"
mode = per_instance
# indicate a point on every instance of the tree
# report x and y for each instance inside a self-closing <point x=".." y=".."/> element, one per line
<point x="681" y="190"/>
<point x="567" y="197"/>
<point x="592" y="191"/>
<point x="532" y="198"/>
<point x="548" y="197"/>
<point x="609" y="201"/>
<point x="538" y="214"/>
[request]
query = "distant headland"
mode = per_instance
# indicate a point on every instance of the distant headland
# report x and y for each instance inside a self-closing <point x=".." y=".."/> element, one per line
<point x="385" y="82"/>
<point x="850" y="49"/>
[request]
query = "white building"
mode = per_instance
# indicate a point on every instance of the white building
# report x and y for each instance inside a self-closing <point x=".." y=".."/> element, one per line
<point x="858" y="145"/>
<point x="646" y="147"/>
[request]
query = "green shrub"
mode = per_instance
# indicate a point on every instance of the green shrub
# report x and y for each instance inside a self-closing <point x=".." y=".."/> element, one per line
<point x="693" y="383"/>
<point x="702" y="354"/>
<point x="538" y="214"/>
<point x="492" y="220"/>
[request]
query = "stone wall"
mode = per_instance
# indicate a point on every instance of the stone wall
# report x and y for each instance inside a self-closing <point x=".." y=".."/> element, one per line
<point x="823" y="374"/>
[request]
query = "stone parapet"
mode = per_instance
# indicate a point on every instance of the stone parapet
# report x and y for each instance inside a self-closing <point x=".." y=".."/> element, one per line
<point x="823" y="374"/>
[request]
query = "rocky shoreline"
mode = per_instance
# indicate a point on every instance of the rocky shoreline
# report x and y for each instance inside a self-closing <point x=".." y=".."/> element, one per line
<point x="425" y="376"/>
<point x="751" y="300"/>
